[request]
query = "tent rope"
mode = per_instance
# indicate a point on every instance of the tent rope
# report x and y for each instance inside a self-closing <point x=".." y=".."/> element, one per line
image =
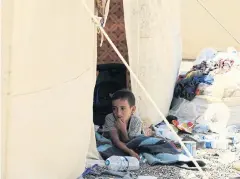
<point x="143" y="88"/>
<point x="211" y="14"/>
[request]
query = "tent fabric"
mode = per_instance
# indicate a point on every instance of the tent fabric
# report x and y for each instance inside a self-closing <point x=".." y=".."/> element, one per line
<point x="49" y="54"/>
<point x="92" y="149"/>
<point x="154" y="44"/>
<point x="6" y="17"/>
<point x="200" y="30"/>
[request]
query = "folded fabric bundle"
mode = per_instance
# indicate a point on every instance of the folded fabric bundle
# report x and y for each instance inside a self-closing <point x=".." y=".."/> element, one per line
<point x="190" y="165"/>
<point x="179" y="160"/>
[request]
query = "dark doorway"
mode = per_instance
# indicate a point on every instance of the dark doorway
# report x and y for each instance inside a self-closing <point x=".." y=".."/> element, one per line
<point x="111" y="77"/>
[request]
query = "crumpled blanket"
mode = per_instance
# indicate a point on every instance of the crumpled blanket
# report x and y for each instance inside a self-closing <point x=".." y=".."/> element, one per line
<point x="186" y="88"/>
<point x="203" y="73"/>
<point x="206" y="67"/>
<point x="155" y="150"/>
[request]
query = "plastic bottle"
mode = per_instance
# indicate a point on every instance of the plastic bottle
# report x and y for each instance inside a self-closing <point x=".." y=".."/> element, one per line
<point x="142" y="159"/>
<point x="233" y="129"/>
<point x="232" y="50"/>
<point x="201" y="128"/>
<point x="118" y="163"/>
<point x="210" y="144"/>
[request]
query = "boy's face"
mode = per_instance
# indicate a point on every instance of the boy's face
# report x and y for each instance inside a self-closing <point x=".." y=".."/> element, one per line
<point x="122" y="110"/>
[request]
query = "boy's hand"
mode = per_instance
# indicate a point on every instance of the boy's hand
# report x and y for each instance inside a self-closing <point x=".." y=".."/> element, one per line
<point x="122" y="128"/>
<point x="134" y="154"/>
<point x="120" y="125"/>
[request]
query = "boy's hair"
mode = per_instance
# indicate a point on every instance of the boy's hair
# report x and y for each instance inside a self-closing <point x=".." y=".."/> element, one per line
<point x="124" y="94"/>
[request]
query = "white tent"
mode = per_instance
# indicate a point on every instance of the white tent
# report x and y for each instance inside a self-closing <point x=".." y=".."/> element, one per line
<point x="49" y="61"/>
<point x="201" y="25"/>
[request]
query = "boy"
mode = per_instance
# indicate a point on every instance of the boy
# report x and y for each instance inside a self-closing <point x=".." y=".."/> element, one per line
<point x="122" y="124"/>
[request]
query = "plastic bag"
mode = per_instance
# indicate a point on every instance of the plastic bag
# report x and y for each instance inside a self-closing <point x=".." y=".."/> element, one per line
<point x="200" y="111"/>
<point x="165" y="132"/>
<point x="205" y="55"/>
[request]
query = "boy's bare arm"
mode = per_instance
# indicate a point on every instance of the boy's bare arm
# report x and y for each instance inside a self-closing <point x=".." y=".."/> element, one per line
<point x="114" y="134"/>
<point x="122" y="128"/>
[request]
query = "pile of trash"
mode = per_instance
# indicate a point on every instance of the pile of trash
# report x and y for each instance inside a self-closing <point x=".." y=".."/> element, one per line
<point x="201" y="135"/>
<point x="199" y="106"/>
<point x="213" y="74"/>
<point x="202" y="95"/>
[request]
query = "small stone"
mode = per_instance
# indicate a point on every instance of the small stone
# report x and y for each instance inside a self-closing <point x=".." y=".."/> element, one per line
<point x="192" y="176"/>
<point x="216" y="155"/>
<point x="236" y="165"/>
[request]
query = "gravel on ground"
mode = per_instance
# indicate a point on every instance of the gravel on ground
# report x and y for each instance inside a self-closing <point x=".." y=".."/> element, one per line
<point x="218" y="167"/>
